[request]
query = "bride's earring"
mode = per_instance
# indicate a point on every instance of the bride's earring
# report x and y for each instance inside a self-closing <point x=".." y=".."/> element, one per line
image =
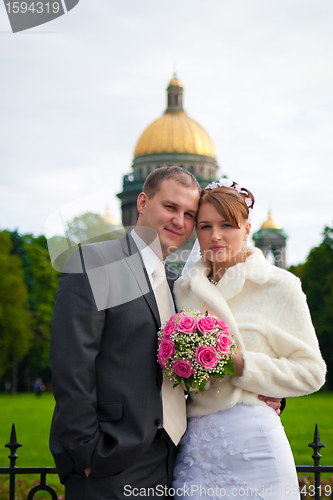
<point x="244" y="249"/>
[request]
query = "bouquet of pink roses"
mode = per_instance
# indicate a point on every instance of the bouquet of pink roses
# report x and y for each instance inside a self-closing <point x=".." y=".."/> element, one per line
<point x="194" y="347"/>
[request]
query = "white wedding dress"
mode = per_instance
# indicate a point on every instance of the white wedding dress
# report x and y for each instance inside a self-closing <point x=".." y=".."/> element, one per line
<point x="229" y="454"/>
<point x="235" y="446"/>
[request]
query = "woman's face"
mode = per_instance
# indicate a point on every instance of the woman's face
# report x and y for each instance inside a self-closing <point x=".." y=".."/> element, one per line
<point x="221" y="241"/>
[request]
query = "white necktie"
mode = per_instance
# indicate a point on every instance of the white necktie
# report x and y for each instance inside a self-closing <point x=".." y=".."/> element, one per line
<point x="173" y="400"/>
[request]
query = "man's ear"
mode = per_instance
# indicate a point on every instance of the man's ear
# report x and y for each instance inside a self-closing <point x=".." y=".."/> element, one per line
<point x="141" y="202"/>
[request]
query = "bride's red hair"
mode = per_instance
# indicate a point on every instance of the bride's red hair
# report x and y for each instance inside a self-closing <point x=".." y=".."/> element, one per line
<point x="228" y="202"/>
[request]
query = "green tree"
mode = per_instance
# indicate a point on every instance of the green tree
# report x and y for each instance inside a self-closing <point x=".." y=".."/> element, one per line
<point x="42" y="287"/>
<point x="41" y="281"/>
<point x="91" y="227"/>
<point x="316" y="275"/>
<point x="29" y="256"/>
<point x="86" y="228"/>
<point x="15" y="319"/>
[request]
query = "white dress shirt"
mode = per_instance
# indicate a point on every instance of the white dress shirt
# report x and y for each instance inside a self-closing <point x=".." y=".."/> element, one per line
<point x="150" y="261"/>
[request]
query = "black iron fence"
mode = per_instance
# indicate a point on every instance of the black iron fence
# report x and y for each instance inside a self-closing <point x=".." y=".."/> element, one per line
<point x="315" y="493"/>
<point x="13" y="471"/>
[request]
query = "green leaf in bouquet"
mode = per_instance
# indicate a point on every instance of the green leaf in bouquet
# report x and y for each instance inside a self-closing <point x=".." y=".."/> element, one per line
<point x="189" y="382"/>
<point x="202" y="385"/>
<point x="178" y="380"/>
<point x="180" y="345"/>
<point x="229" y="368"/>
<point x="217" y="375"/>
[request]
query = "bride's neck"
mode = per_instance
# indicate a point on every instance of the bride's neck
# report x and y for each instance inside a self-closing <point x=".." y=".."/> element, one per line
<point x="218" y="269"/>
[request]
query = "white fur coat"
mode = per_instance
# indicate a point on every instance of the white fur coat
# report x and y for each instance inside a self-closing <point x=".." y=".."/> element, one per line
<point x="268" y="316"/>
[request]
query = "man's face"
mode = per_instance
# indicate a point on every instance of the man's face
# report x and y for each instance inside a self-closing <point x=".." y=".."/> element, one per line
<point x="171" y="212"/>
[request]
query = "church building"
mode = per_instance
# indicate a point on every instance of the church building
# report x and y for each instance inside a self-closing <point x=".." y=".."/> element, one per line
<point x="177" y="139"/>
<point x="172" y="139"/>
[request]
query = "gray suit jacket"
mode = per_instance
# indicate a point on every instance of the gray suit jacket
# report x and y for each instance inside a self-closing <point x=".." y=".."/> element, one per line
<point x="106" y="379"/>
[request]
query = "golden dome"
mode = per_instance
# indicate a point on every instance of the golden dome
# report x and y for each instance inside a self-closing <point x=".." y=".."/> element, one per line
<point x="108" y="219"/>
<point x="174" y="133"/>
<point x="175" y="82"/>
<point x="270" y="223"/>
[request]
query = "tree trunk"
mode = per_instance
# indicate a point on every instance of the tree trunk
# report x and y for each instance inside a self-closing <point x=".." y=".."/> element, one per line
<point x="14" y="374"/>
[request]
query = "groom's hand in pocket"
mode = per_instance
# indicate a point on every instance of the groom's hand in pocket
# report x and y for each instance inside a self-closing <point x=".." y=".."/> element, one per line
<point x="274" y="403"/>
<point x="87" y="471"/>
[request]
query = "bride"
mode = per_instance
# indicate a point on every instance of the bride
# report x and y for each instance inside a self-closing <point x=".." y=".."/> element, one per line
<point x="235" y="446"/>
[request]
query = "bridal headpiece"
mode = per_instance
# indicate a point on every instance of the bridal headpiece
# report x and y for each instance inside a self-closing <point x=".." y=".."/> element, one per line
<point x="240" y="190"/>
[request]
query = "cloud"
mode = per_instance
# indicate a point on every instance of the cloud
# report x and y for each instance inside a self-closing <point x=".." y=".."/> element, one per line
<point x="257" y="76"/>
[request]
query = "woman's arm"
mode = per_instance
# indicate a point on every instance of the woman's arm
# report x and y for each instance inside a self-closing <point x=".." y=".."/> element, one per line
<point x="238" y="360"/>
<point x="297" y="367"/>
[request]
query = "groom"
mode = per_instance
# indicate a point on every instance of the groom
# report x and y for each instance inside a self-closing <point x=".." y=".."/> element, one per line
<point x="107" y="435"/>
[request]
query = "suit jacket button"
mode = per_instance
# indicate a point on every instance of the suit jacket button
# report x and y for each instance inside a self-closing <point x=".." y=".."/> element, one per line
<point x="158" y="422"/>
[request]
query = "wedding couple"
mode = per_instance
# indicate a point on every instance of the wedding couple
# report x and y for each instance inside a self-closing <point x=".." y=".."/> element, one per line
<point x="107" y="434"/>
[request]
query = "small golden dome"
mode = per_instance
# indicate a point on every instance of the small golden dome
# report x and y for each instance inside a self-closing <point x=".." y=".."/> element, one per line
<point x="270" y="223"/>
<point x="108" y="219"/>
<point x="175" y="82"/>
<point x="174" y="133"/>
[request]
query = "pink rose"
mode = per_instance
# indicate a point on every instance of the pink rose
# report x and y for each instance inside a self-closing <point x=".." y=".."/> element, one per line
<point x="206" y="356"/>
<point x="224" y="342"/>
<point x="166" y="350"/>
<point x="206" y="324"/>
<point x="187" y="324"/>
<point x="183" y="368"/>
<point x="169" y="328"/>
<point x="223" y="325"/>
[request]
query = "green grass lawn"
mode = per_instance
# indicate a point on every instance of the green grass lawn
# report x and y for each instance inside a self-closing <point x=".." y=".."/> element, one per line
<point x="299" y="420"/>
<point x="32" y="418"/>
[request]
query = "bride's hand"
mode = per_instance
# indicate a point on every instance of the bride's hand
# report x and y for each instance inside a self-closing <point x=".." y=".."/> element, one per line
<point x="238" y="360"/>
<point x="274" y="403"/>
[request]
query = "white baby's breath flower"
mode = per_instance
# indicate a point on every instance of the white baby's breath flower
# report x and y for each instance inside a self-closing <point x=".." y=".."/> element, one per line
<point x="213" y="185"/>
<point x="225" y="182"/>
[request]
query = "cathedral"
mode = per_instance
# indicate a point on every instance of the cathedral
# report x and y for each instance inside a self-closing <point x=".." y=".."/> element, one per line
<point x="172" y="139"/>
<point x="177" y="139"/>
<point x="271" y="239"/>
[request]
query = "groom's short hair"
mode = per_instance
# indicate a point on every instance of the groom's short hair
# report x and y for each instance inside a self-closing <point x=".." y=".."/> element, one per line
<point x="179" y="174"/>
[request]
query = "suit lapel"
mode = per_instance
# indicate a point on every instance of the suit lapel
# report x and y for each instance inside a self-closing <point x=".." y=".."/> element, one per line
<point x="171" y="275"/>
<point x="135" y="263"/>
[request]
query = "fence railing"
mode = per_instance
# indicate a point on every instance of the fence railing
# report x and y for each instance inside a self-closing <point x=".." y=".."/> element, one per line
<point x="13" y="471"/>
<point x="316" y="493"/>
<point x="317" y="469"/>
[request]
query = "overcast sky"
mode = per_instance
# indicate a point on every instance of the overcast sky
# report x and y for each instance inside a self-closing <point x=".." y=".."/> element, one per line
<point x="77" y="92"/>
